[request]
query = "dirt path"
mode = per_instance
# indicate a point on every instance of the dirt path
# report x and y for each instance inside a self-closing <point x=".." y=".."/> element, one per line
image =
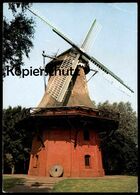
<point x="33" y="184"/>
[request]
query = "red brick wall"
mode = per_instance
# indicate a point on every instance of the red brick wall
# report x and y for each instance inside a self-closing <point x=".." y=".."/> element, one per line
<point x="59" y="149"/>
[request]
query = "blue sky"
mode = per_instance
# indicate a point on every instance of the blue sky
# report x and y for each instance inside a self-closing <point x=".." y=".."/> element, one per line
<point x="115" y="47"/>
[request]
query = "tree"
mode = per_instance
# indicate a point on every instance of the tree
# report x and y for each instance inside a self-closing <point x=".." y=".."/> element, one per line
<point x="16" y="141"/>
<point x="17" y="36"/>
<point x="120" y="150"/>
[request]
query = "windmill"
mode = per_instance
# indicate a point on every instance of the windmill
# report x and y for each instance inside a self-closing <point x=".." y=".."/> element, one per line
<point x="59" y="86"/>
<point x="66" y="122"/>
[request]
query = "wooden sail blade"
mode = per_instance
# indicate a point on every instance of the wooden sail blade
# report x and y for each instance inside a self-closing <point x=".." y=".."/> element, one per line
<point x="107" y="71"/>
<point x="59" y="85"/>
<point x="91" y="36"/>
<point x="88" y="35"/>
<point x="49" y="24"/>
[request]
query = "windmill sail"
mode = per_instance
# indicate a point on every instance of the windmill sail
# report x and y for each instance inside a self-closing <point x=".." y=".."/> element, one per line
<point x="84" y="54"/>
<point x="58" y="87"/>
<point x="91" y="36"/>
<point x="93" y="60"/>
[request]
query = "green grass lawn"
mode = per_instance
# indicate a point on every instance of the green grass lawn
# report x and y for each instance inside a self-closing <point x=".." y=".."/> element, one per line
<point x="9" y="181"/>
<point x="104" y="184"/>
<point x="122" y="184"/>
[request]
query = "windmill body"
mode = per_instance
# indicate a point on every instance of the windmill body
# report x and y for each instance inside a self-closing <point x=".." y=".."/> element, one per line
<point x="67" y="88"/>
<point x="66" y="124"/>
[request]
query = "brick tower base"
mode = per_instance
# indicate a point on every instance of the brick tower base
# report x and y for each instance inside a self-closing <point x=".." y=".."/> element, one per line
<point x="67" y="143"/>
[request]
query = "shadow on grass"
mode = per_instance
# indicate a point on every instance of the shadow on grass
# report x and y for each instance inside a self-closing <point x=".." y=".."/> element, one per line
<point x="10" y="182"/>
<point x="19" y="185"/>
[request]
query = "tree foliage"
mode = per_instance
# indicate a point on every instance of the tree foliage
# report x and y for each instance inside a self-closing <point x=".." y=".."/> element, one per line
<point x="17" y="36"/>
<point x="16" y="141"/>
<point x="120" y="150"/>
<point x="15" y="6"/>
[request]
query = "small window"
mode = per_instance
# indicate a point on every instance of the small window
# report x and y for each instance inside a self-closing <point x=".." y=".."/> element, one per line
<point x="87" y="160"/>
<point x="35" y="161"/>
<point x="86" y="135"/>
